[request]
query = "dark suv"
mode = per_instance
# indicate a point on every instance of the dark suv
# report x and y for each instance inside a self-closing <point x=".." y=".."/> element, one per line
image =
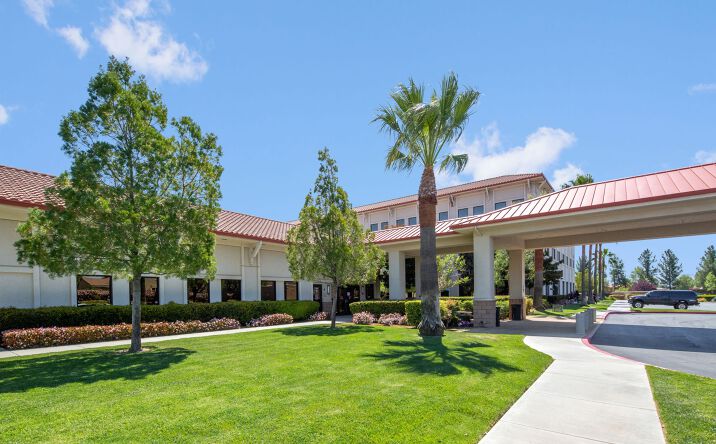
<point x="680" y="299"/>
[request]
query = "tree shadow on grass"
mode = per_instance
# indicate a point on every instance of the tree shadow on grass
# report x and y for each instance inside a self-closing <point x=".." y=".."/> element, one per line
<point x="85" y="367"/>
<point x="325" y="330"/>
<point x="433" y="356"/>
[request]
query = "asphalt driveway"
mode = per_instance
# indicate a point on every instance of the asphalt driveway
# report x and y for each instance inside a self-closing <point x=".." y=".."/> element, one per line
<point x="680" y="341"/>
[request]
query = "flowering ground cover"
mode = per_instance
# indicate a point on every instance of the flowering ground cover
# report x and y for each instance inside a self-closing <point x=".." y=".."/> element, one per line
<point x="303" y="384"/>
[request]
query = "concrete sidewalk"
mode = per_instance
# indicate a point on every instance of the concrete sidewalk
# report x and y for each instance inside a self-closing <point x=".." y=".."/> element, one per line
<point x="61" y="348"/>
<point x="584" y="397"/>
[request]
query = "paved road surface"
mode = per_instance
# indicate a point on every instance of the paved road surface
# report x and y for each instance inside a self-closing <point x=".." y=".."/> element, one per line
<point x="684" y="342"/>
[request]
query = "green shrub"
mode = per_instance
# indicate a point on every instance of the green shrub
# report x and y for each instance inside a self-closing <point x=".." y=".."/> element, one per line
<point x="377" y="308"/>
<point x="243" y="311"/>
<point x="412" y="312"/>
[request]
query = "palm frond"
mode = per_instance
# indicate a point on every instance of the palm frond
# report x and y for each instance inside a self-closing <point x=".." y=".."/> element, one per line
<point x="453" y="163"/>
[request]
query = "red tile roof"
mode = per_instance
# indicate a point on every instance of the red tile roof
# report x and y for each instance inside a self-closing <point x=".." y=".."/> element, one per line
<point x="682" y="182"/>
<point x="456" y="189"/>
<point x="22" y="187"/>
<point x="251" y="227"/>
<point x="26" y="189"/>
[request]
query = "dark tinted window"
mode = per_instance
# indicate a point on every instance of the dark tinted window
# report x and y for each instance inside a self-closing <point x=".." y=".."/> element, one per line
<point x="373" y="227"/>
<point x="412" y="220"/>
<point x="290" y="290"/>
<point x="94" y="290"/>
<point x="462" y="212"/>
<point x="230" y="290"/>
<point x="149" y="291"/>
<point x="399" y="222"/>
<point x="443" y="215"/>
<point x="500" y="205"/>
<point x="384" y="225"/>
<point x="197" y="290"/>
<point x="268" y="290"/>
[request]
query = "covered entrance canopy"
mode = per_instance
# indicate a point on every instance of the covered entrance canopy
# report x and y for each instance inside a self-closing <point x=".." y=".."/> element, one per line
<point x="672" y="203"/>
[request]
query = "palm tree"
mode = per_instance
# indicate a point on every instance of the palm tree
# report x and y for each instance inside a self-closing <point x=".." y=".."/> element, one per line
<point x="539" y="280"/>
<point x="580" y="179"/>
<point x="422" y="129"/>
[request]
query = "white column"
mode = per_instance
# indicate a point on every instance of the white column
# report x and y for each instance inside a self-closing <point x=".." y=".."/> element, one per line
<point x="396" y="271"/>
<point x="516" y="274"/>
<point x="215" y="290"/>
<point x="484" y="264"/>
<point x="279" y="291"/>
<point x="36" y="298"/>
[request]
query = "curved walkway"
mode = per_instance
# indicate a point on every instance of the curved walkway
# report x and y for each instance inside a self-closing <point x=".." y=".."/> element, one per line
<point x="584" y="396"/>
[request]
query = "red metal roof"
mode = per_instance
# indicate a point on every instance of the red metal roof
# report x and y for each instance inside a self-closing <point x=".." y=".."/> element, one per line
<point x="699" y="179"/>
<point x="26" y="189"/>
<point x="682" y="182"/>
<point x="456" y="189"/>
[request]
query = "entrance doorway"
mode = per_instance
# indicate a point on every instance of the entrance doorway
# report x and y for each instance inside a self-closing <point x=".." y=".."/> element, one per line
<point x="318" y="295"/>
<point x="346" y="295"/>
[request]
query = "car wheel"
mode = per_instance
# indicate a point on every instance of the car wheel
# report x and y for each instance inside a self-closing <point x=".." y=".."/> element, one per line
<point x="681" y="306"/>
<point x="638" y="304"/>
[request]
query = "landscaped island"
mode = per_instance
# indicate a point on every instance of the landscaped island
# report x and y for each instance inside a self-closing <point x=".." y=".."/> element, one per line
<point x="302" y="384"/>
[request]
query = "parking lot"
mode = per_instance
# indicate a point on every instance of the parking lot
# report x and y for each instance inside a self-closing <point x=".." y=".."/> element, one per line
<point x="678" y="341"/>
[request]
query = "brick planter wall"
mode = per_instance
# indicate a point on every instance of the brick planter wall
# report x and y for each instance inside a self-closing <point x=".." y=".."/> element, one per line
<point x="484" y="313"/>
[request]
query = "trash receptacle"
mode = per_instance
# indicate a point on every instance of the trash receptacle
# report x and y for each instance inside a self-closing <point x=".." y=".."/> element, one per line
<point x="497" y="316"/>
<point x="516" y="312"/>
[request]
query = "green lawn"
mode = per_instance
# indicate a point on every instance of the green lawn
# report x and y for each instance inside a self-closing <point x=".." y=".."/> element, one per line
<point x="309" y="384"/>
<point x="687" y="405"/>
<point x="572" y="309"/>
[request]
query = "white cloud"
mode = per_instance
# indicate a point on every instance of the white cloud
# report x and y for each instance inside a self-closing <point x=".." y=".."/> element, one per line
<point x="565" y="174"/>
<point x="132" y="33"/>
<point x="73" y="36"/>
<point x="39" y="10"/>
<point x="4" y="115"/>
<point x="705" y="156"/>
<point x="702" y="88"/>
<point x="488" y="158"/>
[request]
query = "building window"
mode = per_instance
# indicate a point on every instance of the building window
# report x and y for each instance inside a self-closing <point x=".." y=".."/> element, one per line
<point x="515" y="201"/>
<point x="462" y="212"/>
<point x="384" y="225"/>
<point x="478" y="209"/>
<point x="373" y="227"/>
<point x="197" y="291"/>
<point x="369" y="292"/>
<point x="230" y="290"/>
<point x="443" y="215"/>
<point x="268" y="290"/>
<point x="94" y="290"/>
<point x="500" y="205"/>
<point x="412" y="221"/>
<point x="149" y="289"/>
<point x="290" y="290"/>
<point x="400" y="222"/>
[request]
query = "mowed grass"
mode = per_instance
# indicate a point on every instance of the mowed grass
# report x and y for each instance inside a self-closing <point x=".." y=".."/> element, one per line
<point x="572" y="309"/>
<point x="687" y="405"/>
<point x="307" y="384"/>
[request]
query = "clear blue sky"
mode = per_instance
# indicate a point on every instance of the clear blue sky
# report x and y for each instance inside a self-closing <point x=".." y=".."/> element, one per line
<point x="618" y="88"/>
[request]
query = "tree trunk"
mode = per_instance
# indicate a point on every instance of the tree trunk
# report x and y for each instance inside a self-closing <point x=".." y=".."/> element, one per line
<point x="582" y="270"/>
<point x="334" y="303"/>
<point x="539" y="279"/>
<point x="601" y="271"/>
<point x="136" y="345"/>
<point x="430" y="324"/>
<point x="596" y="272"/>
<point x="590" y="294"/>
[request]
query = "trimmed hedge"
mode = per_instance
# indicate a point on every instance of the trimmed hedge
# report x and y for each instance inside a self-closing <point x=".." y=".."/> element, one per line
<point x="243" y="311"/>
<point x="53" y="336"/>
<point x="412" y="308"/>
<point x="377" y="308"/>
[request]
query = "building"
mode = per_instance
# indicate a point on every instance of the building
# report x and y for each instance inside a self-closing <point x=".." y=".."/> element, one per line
<point x="250" y="250"/>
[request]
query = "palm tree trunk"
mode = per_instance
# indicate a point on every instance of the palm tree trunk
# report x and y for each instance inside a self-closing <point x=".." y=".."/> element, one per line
<point x="430" y="324"/>
<point x="582" y="270"/>
<point x="334" y="303"/>
<point x="136" y="345"/>
<point x="539" y="279"/>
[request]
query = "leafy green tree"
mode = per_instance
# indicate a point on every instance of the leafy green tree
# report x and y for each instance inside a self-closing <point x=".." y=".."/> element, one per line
<point x="580" y="179"/>
<point x="616" y="271"/>
<point x="329" y="242"/>
<point x="684" y="282"/>
<point x="451" y="271"/>
<point x="710" y="283"/>
<point x="550" y="269"/>
<point x="647" y="262"/>
<point x="669" y="269"/>
<point x="706" y="266"/>
<point x="502" y="265"/>
<point x="423" y="130"/>
<point x="142" y="194"/>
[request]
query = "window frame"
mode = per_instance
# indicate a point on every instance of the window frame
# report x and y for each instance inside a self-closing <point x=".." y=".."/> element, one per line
<point x="400" y="222"/>
<point x="412" y="221"/>
<point x="142" y="287"/>
<point x="482" y="210"/>
<point x="502" y="204"/>
<point x="285" y="290"/>
<point x="465" y="210"/>
<point x="262" y="289"/>
<point x="208" y="291"/>
<point x="373" y="227"/>
<point x="102" y="276"/>
<point x="440" y="216"/>
<point x="384" y="225"/>
<point x="223" y="291"/>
